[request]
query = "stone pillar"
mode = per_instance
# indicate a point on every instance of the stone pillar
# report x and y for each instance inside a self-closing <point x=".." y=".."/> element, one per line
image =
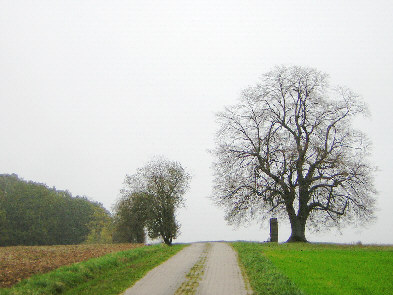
<point x="273" y="230"/>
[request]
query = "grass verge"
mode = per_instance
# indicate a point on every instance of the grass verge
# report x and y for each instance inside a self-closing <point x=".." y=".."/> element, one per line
<point x="319" y="268"/>
<point x="262" y="275"/>
<point x="109" y="274"/>
<point x="21" y="262"/>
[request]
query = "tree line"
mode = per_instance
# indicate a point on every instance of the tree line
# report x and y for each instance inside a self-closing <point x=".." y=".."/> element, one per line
<point x="33" y="214"/>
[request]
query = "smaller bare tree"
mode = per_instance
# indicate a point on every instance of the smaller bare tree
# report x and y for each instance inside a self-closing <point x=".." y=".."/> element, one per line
<point x="153" y="194"/>
<point x="288" y="149"/>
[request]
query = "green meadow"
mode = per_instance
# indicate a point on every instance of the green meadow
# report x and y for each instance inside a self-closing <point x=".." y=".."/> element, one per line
<point x="300" y="268"/>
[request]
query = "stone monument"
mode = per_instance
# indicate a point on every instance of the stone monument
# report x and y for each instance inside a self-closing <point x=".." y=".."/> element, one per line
<point x="273" y="230"/>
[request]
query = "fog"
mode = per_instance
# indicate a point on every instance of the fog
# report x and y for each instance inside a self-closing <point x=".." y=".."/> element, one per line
<point x="92" y="90"/>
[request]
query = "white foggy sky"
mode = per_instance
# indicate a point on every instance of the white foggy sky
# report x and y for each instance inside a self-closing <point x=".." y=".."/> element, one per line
<point x="92" y="90"/>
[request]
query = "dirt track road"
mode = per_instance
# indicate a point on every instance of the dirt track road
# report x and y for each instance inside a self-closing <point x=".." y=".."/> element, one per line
<point x="202" y="268"/>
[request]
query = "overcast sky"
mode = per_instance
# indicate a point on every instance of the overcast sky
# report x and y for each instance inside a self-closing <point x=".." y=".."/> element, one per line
<point x="92" y="90"/>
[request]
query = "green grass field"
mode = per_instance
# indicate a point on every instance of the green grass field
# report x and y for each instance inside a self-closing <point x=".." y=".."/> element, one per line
<point x="109" y="274"/>
<point x="317" y="268"/>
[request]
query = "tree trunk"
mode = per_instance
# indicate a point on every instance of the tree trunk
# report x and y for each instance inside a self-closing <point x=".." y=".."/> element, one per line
<point x="298" y="227"/>
<point x="168" y="241"/>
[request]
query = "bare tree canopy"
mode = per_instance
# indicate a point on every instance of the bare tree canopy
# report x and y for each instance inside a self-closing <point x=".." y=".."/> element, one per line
<point x="288" y="149"/>
<point x="150" y="199"/>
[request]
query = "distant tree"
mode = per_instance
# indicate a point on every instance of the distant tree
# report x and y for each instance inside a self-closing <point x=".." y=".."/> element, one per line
<point x="288" y="149"/>
<point x="3" y="230"/>
<point x="153" y="194"/>
<point x="130" y="218"/>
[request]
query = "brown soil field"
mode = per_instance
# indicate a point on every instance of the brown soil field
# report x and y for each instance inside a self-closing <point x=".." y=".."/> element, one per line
<point x="20" y="262"/>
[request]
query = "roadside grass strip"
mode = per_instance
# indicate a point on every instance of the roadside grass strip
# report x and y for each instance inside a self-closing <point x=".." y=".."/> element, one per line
<point x="320" y="268"/>
<point x="190" y="285"/>
<point x="109" y="274"/>
<point x="247" y="284"/>
<point x="262" y="275"/>
<point x="21" y="262"/>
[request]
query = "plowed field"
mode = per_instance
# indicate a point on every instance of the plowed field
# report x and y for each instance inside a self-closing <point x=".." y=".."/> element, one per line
<point x="17" y="263"/>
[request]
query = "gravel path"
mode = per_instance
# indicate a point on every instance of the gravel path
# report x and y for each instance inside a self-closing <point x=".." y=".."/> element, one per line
<point x="201" y="269"/>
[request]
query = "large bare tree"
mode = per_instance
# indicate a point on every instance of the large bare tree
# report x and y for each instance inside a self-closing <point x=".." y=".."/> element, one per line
<point x="288" y="149"/>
